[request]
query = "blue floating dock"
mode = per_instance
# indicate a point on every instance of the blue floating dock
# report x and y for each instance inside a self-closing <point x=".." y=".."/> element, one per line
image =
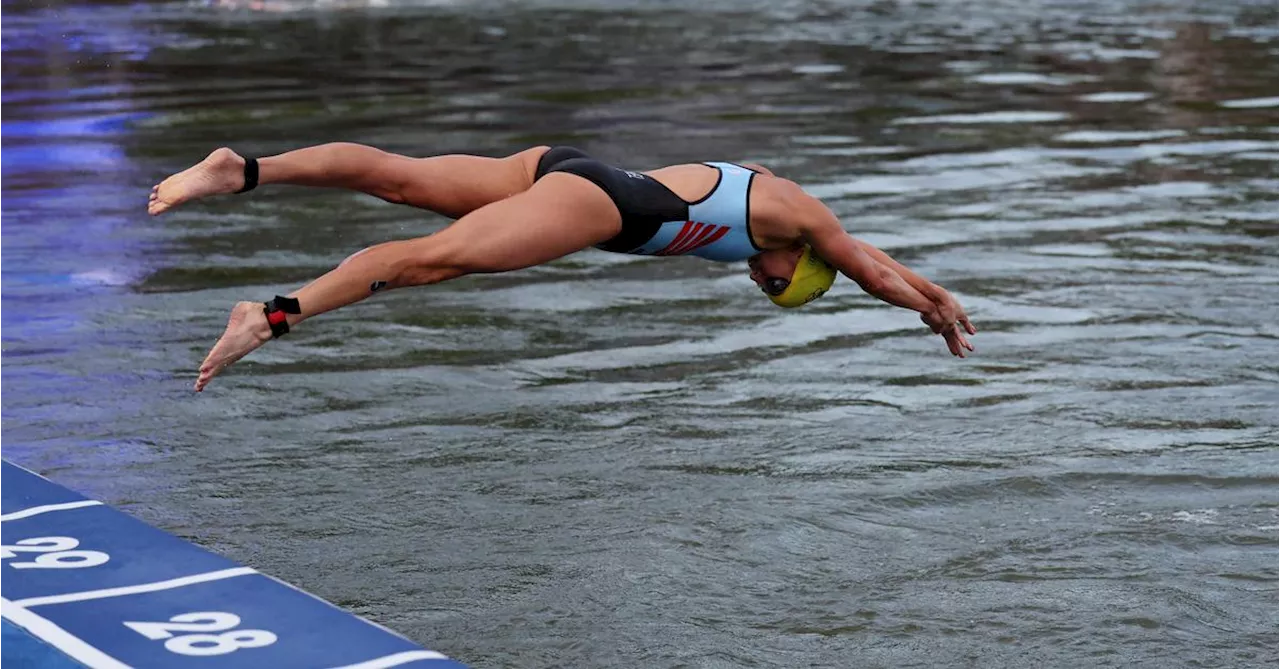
<point x="86" y="585"/>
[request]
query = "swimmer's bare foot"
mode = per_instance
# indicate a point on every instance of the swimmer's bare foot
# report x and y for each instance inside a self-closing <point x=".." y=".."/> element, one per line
<point x="221" y="172"/>
<point x="247" y="329"/>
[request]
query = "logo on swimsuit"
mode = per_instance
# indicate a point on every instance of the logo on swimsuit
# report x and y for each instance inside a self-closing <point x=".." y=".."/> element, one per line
<point x="633" y="175"/>
<point x="693" y="236"/>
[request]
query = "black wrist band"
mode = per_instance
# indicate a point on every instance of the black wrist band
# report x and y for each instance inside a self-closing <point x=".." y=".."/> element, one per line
<point x="275" y="311"/>
<point x="250" y="175"/>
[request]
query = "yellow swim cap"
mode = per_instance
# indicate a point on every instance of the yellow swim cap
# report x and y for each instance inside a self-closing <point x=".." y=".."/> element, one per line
<point x="812" y="278"/>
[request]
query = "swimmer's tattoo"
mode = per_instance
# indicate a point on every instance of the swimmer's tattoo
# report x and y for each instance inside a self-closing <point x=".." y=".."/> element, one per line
<point x="377" y="286"/>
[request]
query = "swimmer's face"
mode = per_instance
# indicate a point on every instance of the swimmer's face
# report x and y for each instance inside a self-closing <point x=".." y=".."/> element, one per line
<point x="772" y="270"/>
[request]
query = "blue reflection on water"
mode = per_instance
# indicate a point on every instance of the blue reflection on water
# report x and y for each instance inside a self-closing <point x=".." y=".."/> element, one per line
<point x="74" y="231"/>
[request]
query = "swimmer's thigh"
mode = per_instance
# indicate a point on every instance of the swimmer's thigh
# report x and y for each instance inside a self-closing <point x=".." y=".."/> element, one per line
<point x="456" y="185"/>
<point x="562" y="213"/>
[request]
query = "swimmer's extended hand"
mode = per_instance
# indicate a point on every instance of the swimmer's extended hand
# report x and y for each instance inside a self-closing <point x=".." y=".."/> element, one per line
<point x="954" y="310"/>
<point x="949" y="320"/>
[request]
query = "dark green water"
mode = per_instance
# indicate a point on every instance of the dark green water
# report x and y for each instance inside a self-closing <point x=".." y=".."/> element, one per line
<point x="622" y="461"/>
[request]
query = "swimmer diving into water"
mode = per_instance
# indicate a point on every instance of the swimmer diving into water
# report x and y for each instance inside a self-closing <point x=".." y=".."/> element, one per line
<point x="544" y="203"/>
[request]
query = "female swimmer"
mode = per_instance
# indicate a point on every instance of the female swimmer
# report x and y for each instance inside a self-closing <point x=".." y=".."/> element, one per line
<point x="544" y="203"/>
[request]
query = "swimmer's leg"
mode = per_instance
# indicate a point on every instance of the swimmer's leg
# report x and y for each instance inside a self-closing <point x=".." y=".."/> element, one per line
<point x="561" y="214"/>
<point x="451" y="185"/>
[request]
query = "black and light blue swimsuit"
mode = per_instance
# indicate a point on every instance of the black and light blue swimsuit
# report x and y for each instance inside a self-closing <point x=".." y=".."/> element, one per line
<point x="656" y="221"/>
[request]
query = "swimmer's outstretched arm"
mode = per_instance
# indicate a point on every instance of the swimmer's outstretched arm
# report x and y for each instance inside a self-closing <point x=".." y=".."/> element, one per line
<point x="881" y="276"/>
<point x="933" y="291"/>
<point x="843" y="252"/>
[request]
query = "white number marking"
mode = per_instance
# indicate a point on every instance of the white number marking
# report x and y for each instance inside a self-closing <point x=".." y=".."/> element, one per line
<point x="229" y="641"/>
<point x="202" y="621"/>
<point x="55" y="553"/>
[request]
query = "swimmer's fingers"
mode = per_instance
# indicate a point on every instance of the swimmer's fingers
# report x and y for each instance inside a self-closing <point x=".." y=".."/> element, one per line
<point x="956" y="342"/>
<point x="963" y="320"/>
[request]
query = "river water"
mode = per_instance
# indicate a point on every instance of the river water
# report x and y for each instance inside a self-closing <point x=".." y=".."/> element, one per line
<point x="624" y="461"/>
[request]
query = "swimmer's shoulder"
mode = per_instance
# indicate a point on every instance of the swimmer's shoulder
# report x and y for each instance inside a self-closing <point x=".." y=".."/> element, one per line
<point x="783" y="211"/>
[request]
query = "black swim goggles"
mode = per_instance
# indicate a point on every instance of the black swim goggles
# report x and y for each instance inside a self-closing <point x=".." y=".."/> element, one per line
<point x="775" y="286"/>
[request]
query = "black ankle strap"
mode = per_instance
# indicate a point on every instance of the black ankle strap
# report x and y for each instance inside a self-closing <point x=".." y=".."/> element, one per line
<point x="275" y="311"/>
<point x="250" y="175"/>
